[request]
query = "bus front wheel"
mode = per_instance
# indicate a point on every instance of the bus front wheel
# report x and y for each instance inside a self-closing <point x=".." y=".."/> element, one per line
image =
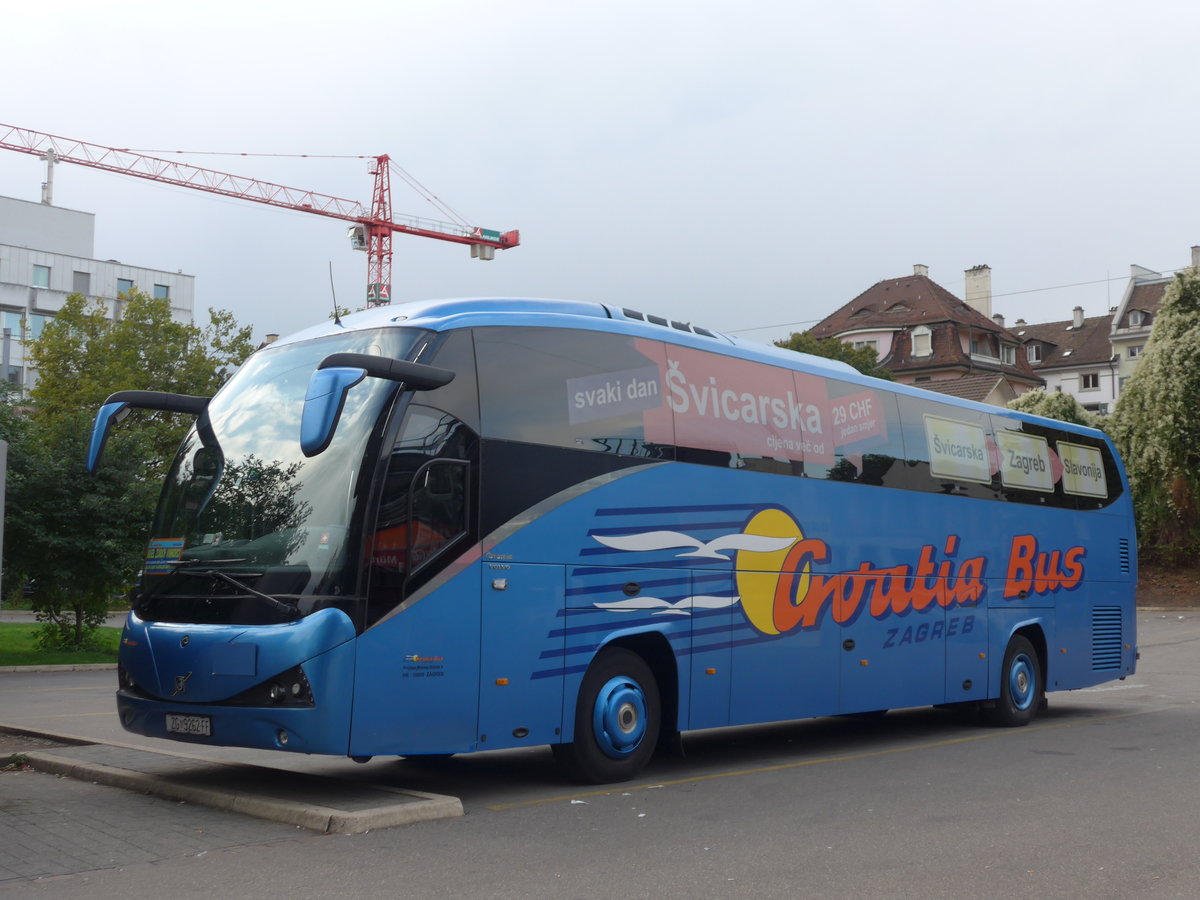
<point x="1021" y="685"/>
<point x="617" y="719"/>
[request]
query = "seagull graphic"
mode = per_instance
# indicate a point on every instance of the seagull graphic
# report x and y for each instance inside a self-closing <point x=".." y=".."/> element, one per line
<point x="714" y="549"/>
<point x="662" y="607"/>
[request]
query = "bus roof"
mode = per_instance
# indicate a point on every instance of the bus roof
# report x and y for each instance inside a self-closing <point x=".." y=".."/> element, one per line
<point x="470" y="312"/>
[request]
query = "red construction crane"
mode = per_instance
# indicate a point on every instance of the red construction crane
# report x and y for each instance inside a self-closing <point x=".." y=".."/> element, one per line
<point x="372" y="230"/>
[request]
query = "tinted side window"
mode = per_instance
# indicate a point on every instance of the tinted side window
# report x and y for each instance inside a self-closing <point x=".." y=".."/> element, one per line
<point x="950" y="449"/>
<point x="1043" y="464"/>
<point x="867" y="437"/>
<point x="585" y="390"/>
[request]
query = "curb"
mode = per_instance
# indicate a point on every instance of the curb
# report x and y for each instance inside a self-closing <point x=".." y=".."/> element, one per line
<point x="178" y="773"/>
<point x="420" y="807"/>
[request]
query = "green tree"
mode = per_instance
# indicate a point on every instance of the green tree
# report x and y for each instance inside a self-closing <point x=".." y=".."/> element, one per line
<point x="1055" y="405"/>
<point x="1156" y="426"/>
<point x="865" y="359"/>
<point x="82" y="536"/>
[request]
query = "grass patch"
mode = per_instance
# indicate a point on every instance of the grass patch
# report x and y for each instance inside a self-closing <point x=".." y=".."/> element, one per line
<point x="19" y="648"/>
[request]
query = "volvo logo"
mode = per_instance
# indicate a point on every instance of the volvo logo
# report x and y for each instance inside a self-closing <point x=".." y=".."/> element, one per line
<point x="181" y="684"/>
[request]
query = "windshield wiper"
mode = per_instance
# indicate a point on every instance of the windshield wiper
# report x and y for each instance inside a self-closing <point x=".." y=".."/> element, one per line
<point x="276" y="604"/>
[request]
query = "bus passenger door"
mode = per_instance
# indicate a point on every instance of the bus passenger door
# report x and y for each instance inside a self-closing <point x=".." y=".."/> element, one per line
<point x="895" y="660"/>
<point x="520" y="677"/>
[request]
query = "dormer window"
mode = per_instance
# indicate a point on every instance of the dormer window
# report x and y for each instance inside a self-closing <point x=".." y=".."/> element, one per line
<point x="1033" y="352"/>
<point x="1137" y="318"/>
<point x="922" y="341"/>
<point x="1008" y="354"/>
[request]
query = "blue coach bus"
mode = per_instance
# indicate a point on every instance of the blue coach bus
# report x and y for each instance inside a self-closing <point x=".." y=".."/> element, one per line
<point x="468" y="525"/>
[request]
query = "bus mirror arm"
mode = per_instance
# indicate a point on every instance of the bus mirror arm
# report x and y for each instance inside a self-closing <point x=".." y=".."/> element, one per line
<point x="118" y="405"/>
<point x="416" y="376"/>
<point x="337" y="373"/>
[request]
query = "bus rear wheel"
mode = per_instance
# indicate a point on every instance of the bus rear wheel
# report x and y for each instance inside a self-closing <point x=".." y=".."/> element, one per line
<point x="1021" y="686"/>
<point x="617" y="719"/>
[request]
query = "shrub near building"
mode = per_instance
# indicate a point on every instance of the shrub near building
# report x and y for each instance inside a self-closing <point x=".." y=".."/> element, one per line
<point x="1156" y="425"/>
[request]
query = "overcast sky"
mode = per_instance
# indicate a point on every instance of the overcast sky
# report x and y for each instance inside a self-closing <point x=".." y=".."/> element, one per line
<point x="748" y="167"/>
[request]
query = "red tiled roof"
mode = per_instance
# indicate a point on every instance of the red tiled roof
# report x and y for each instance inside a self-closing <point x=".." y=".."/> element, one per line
<point x="901" y="304"/>
<point x="969" y="387"/>
<point x="1065" y="345"/>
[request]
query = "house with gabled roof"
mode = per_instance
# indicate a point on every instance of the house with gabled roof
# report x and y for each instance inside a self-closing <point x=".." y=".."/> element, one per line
<point x="1135" y="314"/>
<point x="1074" y="357"/>
<point x="927" y="336"/>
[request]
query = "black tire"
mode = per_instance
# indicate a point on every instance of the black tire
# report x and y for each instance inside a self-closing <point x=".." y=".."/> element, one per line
<point x="1022" y="686"/>
<point x="618" y="717"/>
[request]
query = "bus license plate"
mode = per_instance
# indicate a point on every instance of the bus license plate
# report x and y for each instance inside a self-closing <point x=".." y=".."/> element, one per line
<point x="199" y="726"/>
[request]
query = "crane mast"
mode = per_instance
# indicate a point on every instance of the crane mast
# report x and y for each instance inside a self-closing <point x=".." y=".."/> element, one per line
<point x="372" y="230"/>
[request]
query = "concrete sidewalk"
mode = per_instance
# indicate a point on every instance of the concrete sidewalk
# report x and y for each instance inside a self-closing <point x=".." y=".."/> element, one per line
<point x="318" y="803"/>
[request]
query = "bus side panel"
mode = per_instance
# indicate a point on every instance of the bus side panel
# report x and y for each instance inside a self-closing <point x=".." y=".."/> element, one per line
<point x="710" y="663"/>
<point x="967" y="653"/>
<point x="790" y="676"/>
<point x="1095" y="637"/>
<point x="892" y="662"/>
<point x="416" y="685"/>
<point x="521" y="650"/>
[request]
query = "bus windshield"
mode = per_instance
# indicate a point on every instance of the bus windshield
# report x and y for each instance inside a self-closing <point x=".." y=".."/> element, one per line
<point x="248" y="530"/>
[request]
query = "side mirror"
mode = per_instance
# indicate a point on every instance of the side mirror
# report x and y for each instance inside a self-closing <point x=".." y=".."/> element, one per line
<point x="327" y="390"/>
<point x="118" y="405"/>
<point x="106" y="416"/>
<point x="337" y="373"/>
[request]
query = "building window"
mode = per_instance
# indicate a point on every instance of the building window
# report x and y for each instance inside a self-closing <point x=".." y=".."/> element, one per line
<point x="1136" y="318"/>
<point x="41" y="276"/>
<point x="14" y="325"/>
<point x="1033" y="352"/>
<point x="81" y="282"/>
<point x="36" y="324"/>
<point x="921" y="379"/>
<point x="1135" y="351"/>
<point x="922" y="342"/>
<point x="1008" y="354"/>
<point x="1089" y="381"/>
<point x="866" y="345"/>
<point x="1121" y="383"/>
<point x="13" y="376"/>
<point x="162" y="292"/>
<point x="124" y="285"/>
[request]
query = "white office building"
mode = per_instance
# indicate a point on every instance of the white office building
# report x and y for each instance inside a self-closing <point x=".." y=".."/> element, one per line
<point x="46" y="254"/>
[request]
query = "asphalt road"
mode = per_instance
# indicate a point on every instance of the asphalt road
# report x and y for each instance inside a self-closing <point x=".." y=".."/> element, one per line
<point x="1099" y="798"/>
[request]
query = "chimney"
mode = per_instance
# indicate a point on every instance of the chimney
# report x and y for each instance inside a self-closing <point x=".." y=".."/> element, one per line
<point x="998" y="319"/>
<point x="919" y="269"/>
<point x="1078" y="312"/>
<point x="1196" y="258"/>
<point x="271" y="338"/>
<point x="1019" y="322"/>
<point x="978" y="289"/>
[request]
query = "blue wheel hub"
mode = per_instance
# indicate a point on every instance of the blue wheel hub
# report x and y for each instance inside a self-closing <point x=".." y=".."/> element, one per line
<point x="619" y="717"/>
<point x="1022" y="681"/>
